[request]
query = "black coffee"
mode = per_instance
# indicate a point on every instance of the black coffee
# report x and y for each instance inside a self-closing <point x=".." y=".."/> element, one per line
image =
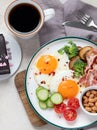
<point x="24" y="17"/>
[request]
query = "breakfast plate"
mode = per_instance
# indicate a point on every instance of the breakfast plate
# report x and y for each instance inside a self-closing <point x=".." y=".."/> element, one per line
<point x="14" y="53"/>
<point x="32" y="80"/>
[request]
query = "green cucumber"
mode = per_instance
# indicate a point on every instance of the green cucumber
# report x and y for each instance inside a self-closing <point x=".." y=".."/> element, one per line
<point x="42" y="94"/>
<point x="42" y="105"/>
<point x="49" y="103"/>
<point x="56" y="98"/>
<point x="37" y="89"/>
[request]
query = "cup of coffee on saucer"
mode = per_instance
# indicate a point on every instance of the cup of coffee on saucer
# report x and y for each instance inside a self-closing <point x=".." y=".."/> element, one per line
<point x="24" y="18"/>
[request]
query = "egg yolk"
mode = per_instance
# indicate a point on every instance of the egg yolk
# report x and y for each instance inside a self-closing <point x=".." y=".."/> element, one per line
<point x="68" y="89"/>
<point x="47" y="64"/>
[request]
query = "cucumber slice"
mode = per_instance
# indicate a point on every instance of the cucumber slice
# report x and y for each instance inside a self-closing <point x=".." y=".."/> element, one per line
<point x="49" y="103"/>
<point x="42" y="94"/>
<point x="37" y="89"/>
<point x="42" y="105"/>
<point x="56" y="98"/>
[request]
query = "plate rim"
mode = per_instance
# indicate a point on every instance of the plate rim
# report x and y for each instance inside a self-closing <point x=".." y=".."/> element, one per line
<point x="25" y="81"/>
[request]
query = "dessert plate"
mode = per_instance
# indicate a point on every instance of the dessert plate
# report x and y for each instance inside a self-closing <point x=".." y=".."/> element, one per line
<point x="49" y="115"/>
<point x="14" y="53"/>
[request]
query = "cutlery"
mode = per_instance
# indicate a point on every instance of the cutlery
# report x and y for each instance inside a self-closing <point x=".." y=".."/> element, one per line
<point x="79" y="24"/>
<point x="87" y="20"/>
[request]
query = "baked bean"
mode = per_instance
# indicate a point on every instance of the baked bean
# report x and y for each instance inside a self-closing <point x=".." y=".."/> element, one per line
<point x="86" y="105"/>
<point x="88" y="93"/>
<point x="95" y="99"/>
<point x="93" y="91"/>
<point x="91" y="104"/>
<point x="88" y="109"/>
<point x="94" y="108"/>
<point x="85" y="101"/>
<point x="96" y="103"/>
<point x="91" y="100"/>
<point x="91" y="95"/>
<point x="84" y="97"/>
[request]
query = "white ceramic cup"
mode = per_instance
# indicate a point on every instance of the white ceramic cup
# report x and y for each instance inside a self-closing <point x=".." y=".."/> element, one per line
<point x="44" y="16"/>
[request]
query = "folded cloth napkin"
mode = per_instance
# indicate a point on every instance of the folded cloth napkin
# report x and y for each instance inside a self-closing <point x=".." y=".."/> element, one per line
<point x="71" y="11"/>
<point x="53" y="28"/>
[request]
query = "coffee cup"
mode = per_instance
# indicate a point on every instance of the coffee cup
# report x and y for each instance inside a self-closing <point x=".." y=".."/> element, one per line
<point x="25" y="18"/>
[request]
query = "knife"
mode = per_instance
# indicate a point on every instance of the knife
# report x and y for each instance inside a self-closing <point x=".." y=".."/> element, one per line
<point x="78" y="24"/>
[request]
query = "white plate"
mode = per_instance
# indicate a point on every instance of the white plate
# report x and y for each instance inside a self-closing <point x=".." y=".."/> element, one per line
<point x="14" y="50"/>
<point x="30" y="85"/>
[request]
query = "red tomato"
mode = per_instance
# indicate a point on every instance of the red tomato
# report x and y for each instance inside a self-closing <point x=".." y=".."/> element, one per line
<point x="70" y="114"/>
<point x="73" y="103"/>
<point x="60" y="108"/>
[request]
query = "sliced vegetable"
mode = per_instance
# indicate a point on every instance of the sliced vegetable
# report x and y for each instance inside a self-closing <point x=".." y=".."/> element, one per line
<point x="42" y="94"/>
<point x="72" y="61"/>
<point x="79" y="48"/>
<point x="89" y="53"/>
<point x="60" y="108"/>
<point x="40" y="87"/>
<point x="56" y="98"/>
<point x="70" y="114"/>
<point x="73" y="103"/>
<point x="42" y="105"/>
<point x="83" y="51"/>
<point x="49" y="103"/>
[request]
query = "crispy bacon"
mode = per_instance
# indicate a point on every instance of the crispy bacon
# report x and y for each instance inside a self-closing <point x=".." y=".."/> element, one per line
<point x="90" y="77"/>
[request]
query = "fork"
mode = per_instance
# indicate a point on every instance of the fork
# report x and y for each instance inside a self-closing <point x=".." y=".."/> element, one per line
<point x="87" y="20"/>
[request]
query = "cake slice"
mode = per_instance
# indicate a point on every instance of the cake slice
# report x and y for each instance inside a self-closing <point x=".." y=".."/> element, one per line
<point x="4" y="63"/>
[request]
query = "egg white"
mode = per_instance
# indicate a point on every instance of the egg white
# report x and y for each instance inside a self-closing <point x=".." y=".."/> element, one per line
<point x="63" y="62"/>
<point x="41" y="79"/>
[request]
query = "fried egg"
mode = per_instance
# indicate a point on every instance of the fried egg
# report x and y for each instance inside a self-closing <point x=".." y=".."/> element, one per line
<point x="47" y="66"/>
<point x="64" y="83"/>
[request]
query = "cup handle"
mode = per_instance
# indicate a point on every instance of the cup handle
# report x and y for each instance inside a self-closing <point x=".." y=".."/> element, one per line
<point x="49" y="13"/>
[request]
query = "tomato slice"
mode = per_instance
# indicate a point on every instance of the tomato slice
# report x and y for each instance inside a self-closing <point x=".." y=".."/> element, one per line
<point x="60" y="108"/>
<point x="70" y="114"/>
<point x="73" y="103"/>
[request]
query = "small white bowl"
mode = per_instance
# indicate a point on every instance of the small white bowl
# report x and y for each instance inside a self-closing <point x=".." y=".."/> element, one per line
<point x="83" y="94"/>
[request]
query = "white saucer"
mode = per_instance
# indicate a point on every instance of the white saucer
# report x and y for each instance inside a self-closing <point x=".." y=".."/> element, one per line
<point x="15" y="55"/>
